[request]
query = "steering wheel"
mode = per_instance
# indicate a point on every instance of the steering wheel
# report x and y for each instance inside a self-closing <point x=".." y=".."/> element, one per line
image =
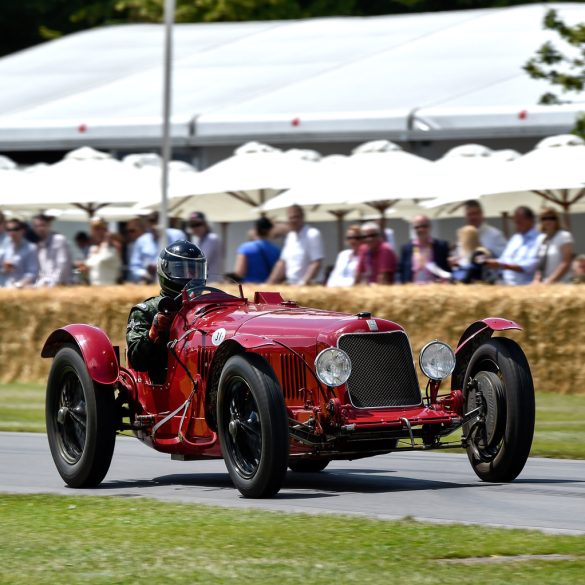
<point x="199" y="290"/>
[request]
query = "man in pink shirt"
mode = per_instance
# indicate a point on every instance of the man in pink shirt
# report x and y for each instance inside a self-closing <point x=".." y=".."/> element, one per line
<point x="377" y="261"/>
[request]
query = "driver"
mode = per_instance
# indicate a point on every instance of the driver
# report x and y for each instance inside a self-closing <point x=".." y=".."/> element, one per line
<point x="148" y="327"/>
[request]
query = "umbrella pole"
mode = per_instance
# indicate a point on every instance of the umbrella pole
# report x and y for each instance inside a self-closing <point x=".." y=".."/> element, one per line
<point x="506" y="224"/>
<point x="223" y="226"/>
<point x="339" y="216"/>
<point x="89" y="209"/>
<point x="566" y="204"/>
<point x="382" y="206"/>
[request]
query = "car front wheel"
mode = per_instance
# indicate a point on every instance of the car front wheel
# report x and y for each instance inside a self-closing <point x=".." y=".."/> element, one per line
<point x="498" y="383"/>
<point x="252" y="426"/>
<point x="81" y="422"/>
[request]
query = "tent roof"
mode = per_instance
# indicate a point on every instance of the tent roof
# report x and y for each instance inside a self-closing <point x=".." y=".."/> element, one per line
<point x="445" y="74"/>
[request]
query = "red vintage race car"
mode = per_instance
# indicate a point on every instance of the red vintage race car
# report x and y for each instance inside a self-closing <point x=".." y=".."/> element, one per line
<point x="267" y="384"/>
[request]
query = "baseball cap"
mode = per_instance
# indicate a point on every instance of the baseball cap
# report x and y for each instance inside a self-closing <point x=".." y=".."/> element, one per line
<point x="197" y="216"/>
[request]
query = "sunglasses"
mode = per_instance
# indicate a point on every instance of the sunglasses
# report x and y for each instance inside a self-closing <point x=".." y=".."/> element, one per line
<point x="196" y="225"/>
<point x="422" y="226"/>
<point x="366" y="236"/>
<point x="548" y="218"/>
<point x="353" y="237"/>
<point x="16" y="229"/>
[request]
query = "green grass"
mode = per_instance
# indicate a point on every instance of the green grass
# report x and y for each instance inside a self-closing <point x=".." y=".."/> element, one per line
<point x="52" y="539"/>
<point x="560" y="419"/>
<point x="22" y="407"/>
<point x="560" y="426"/>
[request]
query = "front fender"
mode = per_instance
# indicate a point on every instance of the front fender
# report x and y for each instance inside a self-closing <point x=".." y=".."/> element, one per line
<point x="95" y="346"/>
<point x="476" y="334"/>
<point x="251" y="341"/>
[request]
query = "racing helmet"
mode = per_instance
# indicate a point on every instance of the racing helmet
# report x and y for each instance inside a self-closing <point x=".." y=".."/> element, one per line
<point x="180" y="263"/>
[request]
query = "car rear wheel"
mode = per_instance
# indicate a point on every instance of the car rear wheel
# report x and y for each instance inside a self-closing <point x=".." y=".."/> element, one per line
<point x="80" y="419"/>
<point x="308" y="465"/>
<point x="499" y="383"/>
<point x="252" y="426"/>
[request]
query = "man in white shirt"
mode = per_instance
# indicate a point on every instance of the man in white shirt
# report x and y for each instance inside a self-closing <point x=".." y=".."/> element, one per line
<point x="54" y="254"/>
<point x="302" y="255"/>
<point x="520" y="258"/>
<point x="489" y="236"/>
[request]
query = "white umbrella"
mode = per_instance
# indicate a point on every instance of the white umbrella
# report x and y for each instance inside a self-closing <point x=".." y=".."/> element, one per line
<point x="383" y="179"/>
<point x="320" y="203"/>
<point x="464" y="173"/>
<point x="367" y="179"/>
<point x="231" y="189"/>
<point x="109" y="213"/>
<point x="378" y="175"/>
<point x="6" y="164"/>
<point x="553" y="172"/>
<point x="313" y="193"/>
<point x="12" y="183"/>
<point x="86" y="179"/>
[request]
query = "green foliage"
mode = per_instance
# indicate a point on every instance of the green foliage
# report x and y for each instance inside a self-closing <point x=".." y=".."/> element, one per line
<point x="565" y="70"/>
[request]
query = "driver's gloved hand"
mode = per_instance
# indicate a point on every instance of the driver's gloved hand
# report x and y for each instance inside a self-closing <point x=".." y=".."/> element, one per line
<point x="160" y="328"/>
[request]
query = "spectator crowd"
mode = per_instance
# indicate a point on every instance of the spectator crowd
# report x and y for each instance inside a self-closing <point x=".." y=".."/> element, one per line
<point x="541" y="251"/>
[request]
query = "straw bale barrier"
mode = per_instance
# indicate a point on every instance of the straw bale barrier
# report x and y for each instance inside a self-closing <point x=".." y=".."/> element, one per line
<point x="553" y="319"/>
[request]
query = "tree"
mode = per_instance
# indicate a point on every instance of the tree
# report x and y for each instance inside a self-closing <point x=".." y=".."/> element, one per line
<point x="566" y="71"/>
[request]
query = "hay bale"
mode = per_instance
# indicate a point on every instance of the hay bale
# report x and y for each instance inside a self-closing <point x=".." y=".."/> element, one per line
<point x="552" y="317"/>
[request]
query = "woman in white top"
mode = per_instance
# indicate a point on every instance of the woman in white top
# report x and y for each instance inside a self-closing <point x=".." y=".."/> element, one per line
<point x="103" y="264"/>
<point x="343" y="273"/>
<point x="555" y="249"/>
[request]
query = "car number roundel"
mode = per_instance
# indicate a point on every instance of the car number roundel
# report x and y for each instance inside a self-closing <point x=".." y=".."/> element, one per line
<point x="218" y="336"/>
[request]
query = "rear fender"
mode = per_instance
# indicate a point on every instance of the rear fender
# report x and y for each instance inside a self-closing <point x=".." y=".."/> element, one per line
<point x="95" y="346"/>
<point x="474" y="336"/>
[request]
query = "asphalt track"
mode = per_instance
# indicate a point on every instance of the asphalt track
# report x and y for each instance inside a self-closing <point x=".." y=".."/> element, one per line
<point x="549" y="495"/>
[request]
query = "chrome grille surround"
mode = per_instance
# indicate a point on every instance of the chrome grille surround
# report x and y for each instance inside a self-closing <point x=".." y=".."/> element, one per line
<point x="383" y="373"/>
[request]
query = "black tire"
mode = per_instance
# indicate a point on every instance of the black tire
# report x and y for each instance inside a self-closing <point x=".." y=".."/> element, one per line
<point x="81" y="421"/>
<point x="308" y="465"/>
<point x="252" y="426"/>
<point x="498" y="445"/>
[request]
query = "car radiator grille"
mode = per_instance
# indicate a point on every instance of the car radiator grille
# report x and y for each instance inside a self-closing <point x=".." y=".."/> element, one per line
<point x="293" y="375"/>
<point x="382" y="371"/>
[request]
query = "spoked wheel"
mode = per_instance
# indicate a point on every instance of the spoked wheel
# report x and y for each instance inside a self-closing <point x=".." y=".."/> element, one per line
<point x="81" y="421"/>
<point x="498" y="382"/>
<point x="308" y="465"/>
<point x="252" y="426"/>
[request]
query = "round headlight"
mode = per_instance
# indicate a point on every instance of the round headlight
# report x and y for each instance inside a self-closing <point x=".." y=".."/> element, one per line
<point x="333" y="366"/>
<point x="437" y="360"/>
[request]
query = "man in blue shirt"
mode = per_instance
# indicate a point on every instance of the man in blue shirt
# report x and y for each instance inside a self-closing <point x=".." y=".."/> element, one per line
<point x="255" y="260"/>
<point x="146" y="249"/>
<point x="20" y="266"/>
<point x="519" y="259"/>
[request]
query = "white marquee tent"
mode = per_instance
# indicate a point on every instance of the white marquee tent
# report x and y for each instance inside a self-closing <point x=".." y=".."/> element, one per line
<point x="442" y="75"/>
